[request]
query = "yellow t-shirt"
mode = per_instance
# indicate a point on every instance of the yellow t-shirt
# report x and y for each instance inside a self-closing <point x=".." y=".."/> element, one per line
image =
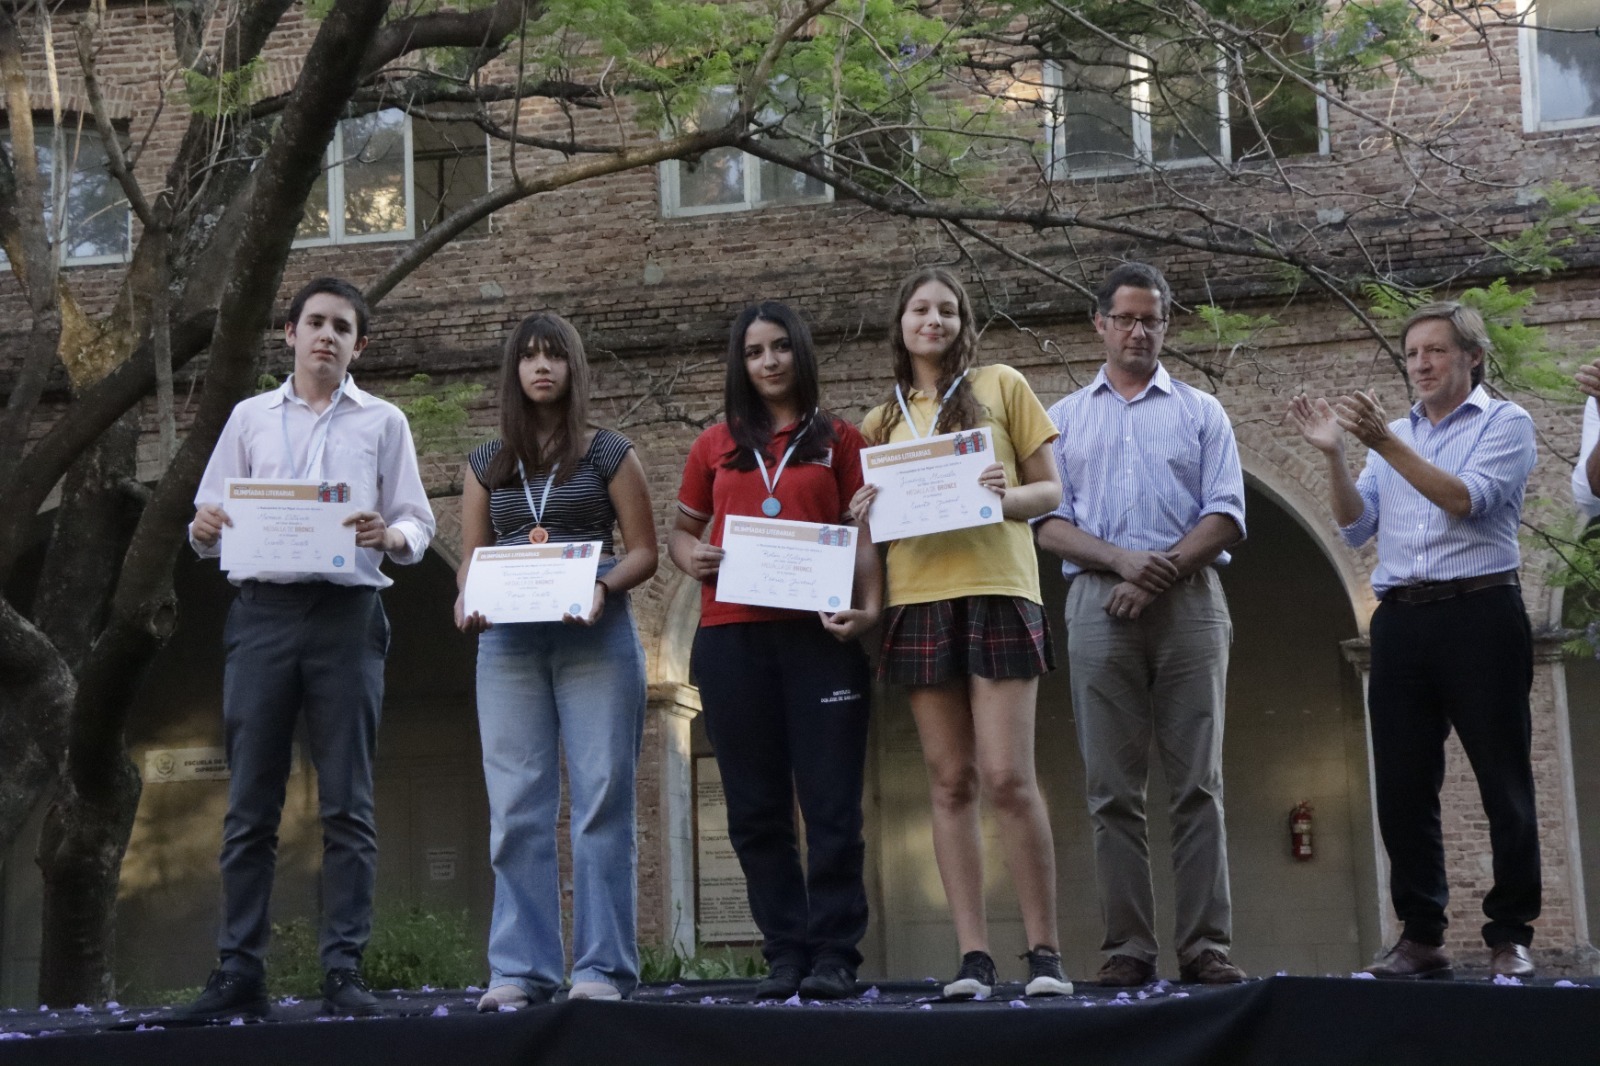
<point x="993" y="560"/>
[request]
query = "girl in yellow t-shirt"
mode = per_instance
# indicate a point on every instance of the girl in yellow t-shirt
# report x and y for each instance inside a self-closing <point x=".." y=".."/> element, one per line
<point x="965" y="628"/>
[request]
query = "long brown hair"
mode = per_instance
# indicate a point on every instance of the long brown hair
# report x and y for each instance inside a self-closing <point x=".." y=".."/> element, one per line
<point x="542" y="331"/>
<point x="749" y="421"/>
<point x="962" y="410"/>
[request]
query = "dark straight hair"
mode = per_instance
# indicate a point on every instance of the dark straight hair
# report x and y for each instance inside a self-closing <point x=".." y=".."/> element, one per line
<point x="963" y="411"/>
<point x="332" y="287"/>
<point x="749" y="421"/>
<point x="553" y="335"/>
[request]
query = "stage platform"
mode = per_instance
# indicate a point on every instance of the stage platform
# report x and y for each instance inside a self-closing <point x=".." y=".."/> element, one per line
<point x="1293" y="1021"/>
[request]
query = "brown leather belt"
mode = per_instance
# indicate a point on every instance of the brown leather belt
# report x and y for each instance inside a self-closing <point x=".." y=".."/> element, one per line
<point x="1434" y="591"/>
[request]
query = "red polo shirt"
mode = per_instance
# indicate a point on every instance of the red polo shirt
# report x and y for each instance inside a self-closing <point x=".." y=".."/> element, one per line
<point x="818" y="491"/>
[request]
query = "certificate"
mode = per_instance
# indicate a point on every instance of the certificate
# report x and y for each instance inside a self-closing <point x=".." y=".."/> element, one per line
<point x="930" y="485"/>
<point x="533" y="582"/>
<point x="802" y="566"/>
<point x="288" y="526"/>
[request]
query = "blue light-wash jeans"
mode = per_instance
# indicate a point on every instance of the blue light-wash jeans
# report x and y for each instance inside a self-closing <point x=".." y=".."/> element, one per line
<point x="545" y="688"/>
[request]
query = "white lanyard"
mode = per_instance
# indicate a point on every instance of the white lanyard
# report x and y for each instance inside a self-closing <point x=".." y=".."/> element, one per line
<point x="900" y="399"/>
<point x="538" y="535"/>
<point x="771" y="506"/>
<point x="319" y="436"/>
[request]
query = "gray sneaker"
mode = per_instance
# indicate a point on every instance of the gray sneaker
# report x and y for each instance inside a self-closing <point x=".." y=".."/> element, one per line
<point x="976" y="978"/>
<point x="1044" y="973"/>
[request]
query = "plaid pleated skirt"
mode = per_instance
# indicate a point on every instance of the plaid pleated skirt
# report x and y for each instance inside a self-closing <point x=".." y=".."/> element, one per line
<point x="971" y="636"/>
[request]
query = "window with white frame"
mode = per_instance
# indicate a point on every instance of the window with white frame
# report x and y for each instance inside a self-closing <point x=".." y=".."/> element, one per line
<point x="86" y="214"/>
<point x="1177" y="104"/>
<point x="389" y="177"/>
<point x="1561" y="65"/>
<point x="726" y="179"/>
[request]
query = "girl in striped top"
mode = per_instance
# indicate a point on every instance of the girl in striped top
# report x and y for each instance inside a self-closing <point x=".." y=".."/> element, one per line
<point x="577" y="685"/>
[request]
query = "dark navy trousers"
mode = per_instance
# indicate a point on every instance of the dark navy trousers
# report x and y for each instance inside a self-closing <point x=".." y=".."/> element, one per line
<point x="317" y="649"/>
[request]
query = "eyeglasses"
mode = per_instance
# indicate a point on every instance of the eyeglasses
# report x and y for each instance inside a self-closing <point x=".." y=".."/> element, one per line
<point x="1125" y="323"/>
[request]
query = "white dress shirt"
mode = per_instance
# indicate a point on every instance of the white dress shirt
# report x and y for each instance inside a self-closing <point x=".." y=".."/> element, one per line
<point x="366" y="443"/>
<point x="1588" y="503"/>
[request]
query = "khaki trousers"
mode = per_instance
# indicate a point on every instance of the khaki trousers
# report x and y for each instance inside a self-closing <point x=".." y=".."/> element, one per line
<point x="1158" y="679"/>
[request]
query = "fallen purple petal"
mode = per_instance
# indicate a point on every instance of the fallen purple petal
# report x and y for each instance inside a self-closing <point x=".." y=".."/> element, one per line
<point x="81" y="1009"/>
<point x="871" y="994"/>
<point x="1364" y="976"/>
<point x="792" y="1001"/>
<point x="112" y="1004"/>
<point x="236" y="1021"/>
<point x="925" y="1006"/>
<point x="1566" y="984"/>
<point x="441" y="1011"/>
<point x="1017" y="1003"/>
<point x="1503" y="979"/>
<point x="289" y="1001"/>
<point x="15" y="1036"/>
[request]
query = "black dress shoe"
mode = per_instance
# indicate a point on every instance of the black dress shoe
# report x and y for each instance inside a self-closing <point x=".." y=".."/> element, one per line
<point x="829" y="980"/>
<point x="1414" y="961"/>
<point x="227" y="995"/>
<point x="1511" y="960"/>
<point x="781" y="982"/>
<point x="344" y="992"/>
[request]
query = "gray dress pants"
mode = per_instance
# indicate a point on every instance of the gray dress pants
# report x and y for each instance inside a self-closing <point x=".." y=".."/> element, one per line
<point x="317" y="648"/>
<point x="1159" y="678"/>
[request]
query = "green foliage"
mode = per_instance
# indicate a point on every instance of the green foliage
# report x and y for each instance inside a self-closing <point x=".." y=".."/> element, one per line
<point x="266" y="383"/>
<point x="1536" y="248"/>
<point x="438" y="414"/>
<point x="1222" y="329"/>
<point x="410" y="947"/>
<point x="224" y="94"/>
<point x="663" y="965"/>
<point x="1520" y="355"/>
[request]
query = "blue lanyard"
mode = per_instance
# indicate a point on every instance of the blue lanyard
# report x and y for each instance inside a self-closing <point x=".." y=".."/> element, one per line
<point x="900" y="399"/>
<point x="544" y="497"/>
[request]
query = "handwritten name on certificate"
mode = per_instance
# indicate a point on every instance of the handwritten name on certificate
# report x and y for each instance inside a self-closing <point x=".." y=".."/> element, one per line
<point x="930" y="485"/>
<point x="533" y="582"/>
<point x="292" y="526"/>
<point x="768" y="562"/>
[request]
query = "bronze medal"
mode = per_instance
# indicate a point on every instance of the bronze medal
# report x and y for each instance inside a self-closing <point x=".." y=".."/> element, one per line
<point x="538" y="535"/>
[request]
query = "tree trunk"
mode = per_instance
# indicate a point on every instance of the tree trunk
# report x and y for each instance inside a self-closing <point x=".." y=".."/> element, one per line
<point x="91" y="815"/>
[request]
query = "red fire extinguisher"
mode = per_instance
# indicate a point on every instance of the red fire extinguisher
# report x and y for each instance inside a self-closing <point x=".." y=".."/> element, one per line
<point x="1300" y="831"/>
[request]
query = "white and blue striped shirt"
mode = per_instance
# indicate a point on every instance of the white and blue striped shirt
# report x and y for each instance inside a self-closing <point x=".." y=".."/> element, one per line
<point x="1489" y="445"/>
<point x="1588" y="503"/>
<point x="1141" y="473"/>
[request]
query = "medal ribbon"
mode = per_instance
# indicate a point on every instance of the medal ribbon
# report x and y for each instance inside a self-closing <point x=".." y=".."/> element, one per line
<point x="319" y="437"/>
<point x="900" y="399"/>
<point x="761" y="463"/>
<point x="544" y="497"/>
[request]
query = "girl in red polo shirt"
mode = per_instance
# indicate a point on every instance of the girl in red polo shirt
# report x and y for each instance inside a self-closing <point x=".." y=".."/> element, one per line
<point x="785" y="693"/>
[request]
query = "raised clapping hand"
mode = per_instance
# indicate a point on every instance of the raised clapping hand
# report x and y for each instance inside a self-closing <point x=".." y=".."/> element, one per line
<point x="1317" y="423"/>
<point x="208" y="523"/>
<point x="1587" y="378"/>
<point x="1361" y="416"/>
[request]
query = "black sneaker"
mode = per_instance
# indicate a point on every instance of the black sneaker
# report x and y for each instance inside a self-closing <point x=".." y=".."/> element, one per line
<point x="344" y="992"/>
<point x="1044" y="973"/>
<point x="781" y="982"/>
<point x="227" y="995"/>
<point x="830" y="979"/>
<point x="976" y="978"/>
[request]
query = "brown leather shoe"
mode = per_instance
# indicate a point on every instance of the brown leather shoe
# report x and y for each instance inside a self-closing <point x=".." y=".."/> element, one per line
<point x="1210" y="967"/>
<point x="1511" y="960"/>
<point x="1409" y="959"/>
<point x="1125" y="971"/>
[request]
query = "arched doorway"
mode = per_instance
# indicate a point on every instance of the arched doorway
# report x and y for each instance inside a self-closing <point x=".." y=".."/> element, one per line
<point x="1294" y="731"/>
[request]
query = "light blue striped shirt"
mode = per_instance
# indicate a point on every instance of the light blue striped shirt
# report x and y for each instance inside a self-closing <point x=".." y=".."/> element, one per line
<point x="1141" y="473"/>
<point x="1489" y="445"/>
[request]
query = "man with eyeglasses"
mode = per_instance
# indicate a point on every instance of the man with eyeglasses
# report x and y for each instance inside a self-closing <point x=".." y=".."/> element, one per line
<point x="1153" y="497"/>
<point x="1452" y="648"/>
